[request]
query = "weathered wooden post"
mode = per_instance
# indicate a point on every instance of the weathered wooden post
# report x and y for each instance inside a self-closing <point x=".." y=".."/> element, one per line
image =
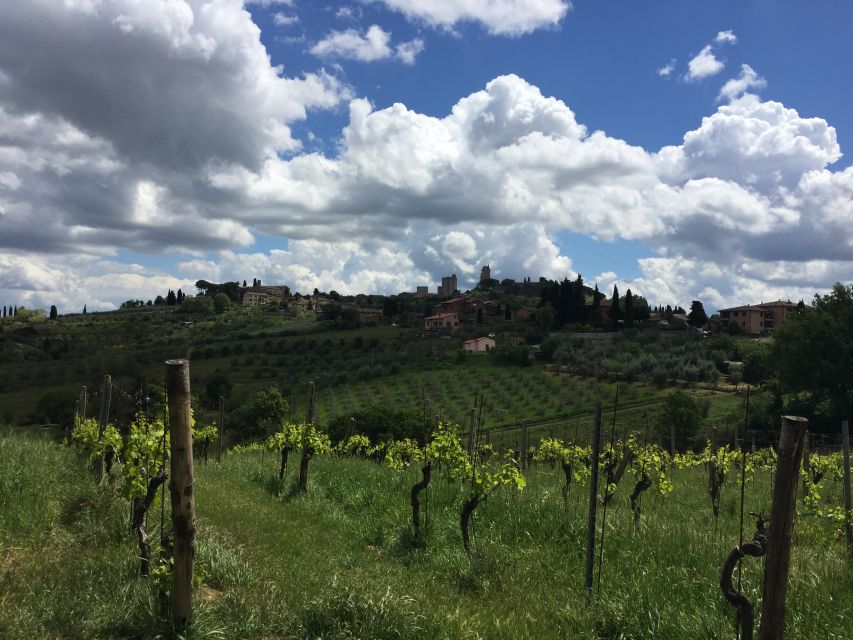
<point x="806" y="465"/>
<point x="85" y="403"/>
<point x="221" y="429"/>
<point x="525" y="447"/>
<point x="472" y="434"/>
<point x="782" y="510"/>
<point x="845" y="443"/>
<point x="181" y="488"/>
<point x="593" y="498"/>
<point x="672" y="440"/>
<point x="307" y="449"/>
<point x="103" y="418"/>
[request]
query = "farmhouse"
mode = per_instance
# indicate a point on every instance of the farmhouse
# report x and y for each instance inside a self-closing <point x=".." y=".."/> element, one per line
<point x="442" y="322"/>
<point x="479" y="345"/>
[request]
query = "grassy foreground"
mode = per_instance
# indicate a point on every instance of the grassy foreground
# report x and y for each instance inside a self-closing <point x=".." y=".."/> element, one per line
<point x="339" y="562"/>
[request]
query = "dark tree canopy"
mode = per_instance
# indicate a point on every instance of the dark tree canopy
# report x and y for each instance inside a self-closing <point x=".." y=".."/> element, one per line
<point x="629" y="309"/>
<point x="53" y="312"/>
<point x="813" y="352"/>
<point x="615" y="312"/>
<point x="697" y="316"/>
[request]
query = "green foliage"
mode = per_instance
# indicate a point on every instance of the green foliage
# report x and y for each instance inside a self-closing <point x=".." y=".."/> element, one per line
<point x="196" y="305"/>
<point x="218" y="384"/>
<point x="221" y="302"/>
<point x="289" y="436"/>
<point x="653" y="462"/>
<point x="813" y="353"/>
<point x="399" y="454"/>
<point x="146" y="451"/>
<point x="266" y="405"/>
<point x="207" y="432"/>
<point x="697" y="316"/>
<point x="379" y="422"/>
<point x="355" y="445"/>
<point x="682" y="412"/>
<point x="513" y="355"/>
<point x="85" y="433"/>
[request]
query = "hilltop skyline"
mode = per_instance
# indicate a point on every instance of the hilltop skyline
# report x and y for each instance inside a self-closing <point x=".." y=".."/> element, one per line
<point x="680" y="150"/>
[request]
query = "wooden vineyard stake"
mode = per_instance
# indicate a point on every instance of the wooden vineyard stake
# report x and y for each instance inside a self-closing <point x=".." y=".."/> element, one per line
<point x="307" y="449"/>
<point x="181" y="488"/>
<point x="103" y="418"/>
<point x="782" y="510"/>
<point x="472" y="434"/>
<point x="806" y="465"/>
<point x="220" y="430"/>
<point x="848" y="525"/>
<point x="593" y="499"/>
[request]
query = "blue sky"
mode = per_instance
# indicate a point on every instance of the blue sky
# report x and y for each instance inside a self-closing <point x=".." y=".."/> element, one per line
<point x="149" y="146"/>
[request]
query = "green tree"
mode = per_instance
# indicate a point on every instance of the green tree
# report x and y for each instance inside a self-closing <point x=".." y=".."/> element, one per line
<point x="545" y="318"/>
<point x="615" y="312"/>
<point x="53" y="312"/>
<point x="682" y="413"/>
<point x="697" y="316"/>
<point x="629" y="309"/>
<point x="266" y="406"/>
<point x="218" y="384"/>
<point x="221" y="302"/>
<point x="813" y="352"/>
<point x="196" y="305"/>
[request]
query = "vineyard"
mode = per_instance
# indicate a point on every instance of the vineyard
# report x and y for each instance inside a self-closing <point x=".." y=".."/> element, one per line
<point x="457" y="537"/>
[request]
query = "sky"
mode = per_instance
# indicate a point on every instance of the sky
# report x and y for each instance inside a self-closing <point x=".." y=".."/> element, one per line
<point x="683" y="149"/>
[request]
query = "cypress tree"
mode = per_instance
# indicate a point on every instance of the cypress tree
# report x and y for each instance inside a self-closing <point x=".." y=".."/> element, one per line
<point x="629" y="309"/>
<point x="615" y="312"/>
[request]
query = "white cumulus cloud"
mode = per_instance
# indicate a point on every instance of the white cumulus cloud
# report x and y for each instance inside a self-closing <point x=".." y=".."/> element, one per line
<point x="703" y="65"/>
<point x="726" y="37"/>
<point x="667" y="69"/>
<point x="499" y="17"/>
<point x="368" y="46"/>
<point x="735" y="87"/>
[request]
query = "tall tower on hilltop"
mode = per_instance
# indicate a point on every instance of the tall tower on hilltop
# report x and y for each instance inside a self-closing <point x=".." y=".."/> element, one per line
<point x="485" y="273"/>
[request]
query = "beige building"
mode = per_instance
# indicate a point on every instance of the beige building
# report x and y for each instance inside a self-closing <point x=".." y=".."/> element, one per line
<point x="256" y="298"/>
<point x="479" y="345"/>
<point x="759" y="318"/>
<point x="442" y="322"/>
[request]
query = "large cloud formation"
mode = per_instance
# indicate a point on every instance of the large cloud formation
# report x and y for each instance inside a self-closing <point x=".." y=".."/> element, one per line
<point x="163" y="125"/>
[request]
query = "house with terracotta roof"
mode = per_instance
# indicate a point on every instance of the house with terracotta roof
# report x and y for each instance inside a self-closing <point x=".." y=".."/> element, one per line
<point x="758" y="318"/>
<point x="479" y="345"/>
<point x="442" y="322"/>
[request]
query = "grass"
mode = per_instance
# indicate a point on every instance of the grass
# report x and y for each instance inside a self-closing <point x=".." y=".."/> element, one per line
<point x="339" y="562"/>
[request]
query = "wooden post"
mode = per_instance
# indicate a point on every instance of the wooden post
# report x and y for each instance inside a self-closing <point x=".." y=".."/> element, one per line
<point x="782" y="510"/>
<point x="806" y="465"/>
<point x="845" y="443"/>
<point x="672" y="440"/>
<point x="593" y="498"/>
<point x="103" y="418"/>
<point x="307" y="450"/>
<point x="181" y="488"/>
<point x="221" y="429"/>
<point x="525" y="447"/>
<point x="312" y="396"/>
<point x="472" y="434"/>
<point x="85" y="395"/>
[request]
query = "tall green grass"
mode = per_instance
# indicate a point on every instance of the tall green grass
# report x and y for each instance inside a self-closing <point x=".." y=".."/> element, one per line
<point x="340" y="561"/>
